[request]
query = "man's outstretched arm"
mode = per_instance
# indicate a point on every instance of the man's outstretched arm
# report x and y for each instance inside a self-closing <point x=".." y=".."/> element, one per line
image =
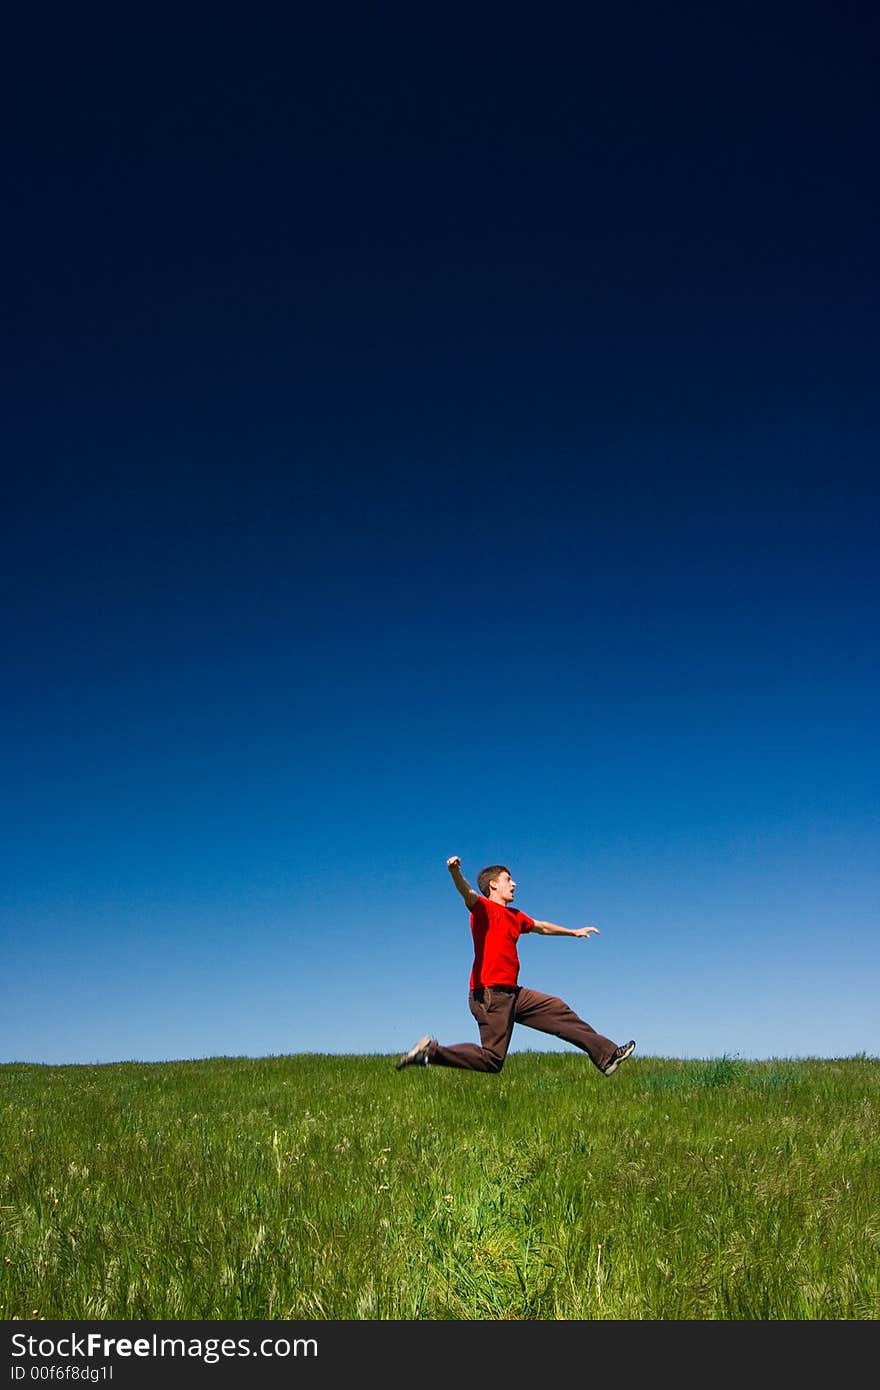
<point x="551" y="929"/>
<point x="469" y="894"/>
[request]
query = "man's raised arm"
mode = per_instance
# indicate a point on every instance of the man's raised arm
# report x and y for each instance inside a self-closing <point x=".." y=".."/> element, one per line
<point x="469" y="894"/>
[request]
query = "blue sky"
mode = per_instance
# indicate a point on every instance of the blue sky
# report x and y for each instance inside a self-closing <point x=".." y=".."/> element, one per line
<point x="420" y="450"/>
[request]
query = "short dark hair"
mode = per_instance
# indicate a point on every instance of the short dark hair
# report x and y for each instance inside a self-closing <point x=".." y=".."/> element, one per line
<point x="485" y="877"/>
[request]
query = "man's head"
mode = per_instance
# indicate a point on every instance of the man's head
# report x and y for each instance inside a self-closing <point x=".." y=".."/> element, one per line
<point x="496" y="884"/>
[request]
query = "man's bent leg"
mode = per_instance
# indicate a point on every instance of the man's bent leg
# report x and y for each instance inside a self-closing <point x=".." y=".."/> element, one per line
<point x="493" y="1009"/>
<point x="551" y="1015"/>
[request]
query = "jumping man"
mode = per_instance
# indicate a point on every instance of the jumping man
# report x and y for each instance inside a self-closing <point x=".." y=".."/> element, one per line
<point x="496" y="1001"/>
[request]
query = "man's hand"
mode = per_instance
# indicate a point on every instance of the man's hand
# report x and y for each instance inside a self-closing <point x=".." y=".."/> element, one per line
<point x="454" y="862"/>
<point x="586" y="931"/>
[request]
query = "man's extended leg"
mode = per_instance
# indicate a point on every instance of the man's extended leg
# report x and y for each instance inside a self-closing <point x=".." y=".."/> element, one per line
<point x="551" y="1015"/>
<point x="493" y="1009"/>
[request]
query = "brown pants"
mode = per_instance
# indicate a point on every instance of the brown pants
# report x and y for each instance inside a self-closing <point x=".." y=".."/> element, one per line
<point x="498" y="1008"/>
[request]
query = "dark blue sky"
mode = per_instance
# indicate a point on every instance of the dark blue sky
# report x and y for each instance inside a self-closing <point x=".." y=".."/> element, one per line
<point x="433" y="435"/>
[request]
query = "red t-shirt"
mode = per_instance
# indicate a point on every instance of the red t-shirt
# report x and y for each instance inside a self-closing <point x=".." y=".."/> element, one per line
<point x="496" y="930"/>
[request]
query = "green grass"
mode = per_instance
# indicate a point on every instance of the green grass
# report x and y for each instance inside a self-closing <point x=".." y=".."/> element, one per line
<point x="324" y="1187"/>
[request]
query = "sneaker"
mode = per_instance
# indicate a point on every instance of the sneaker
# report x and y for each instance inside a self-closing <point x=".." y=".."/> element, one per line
<point x="418" y="1053"/>
<point x="619" y="1056"/>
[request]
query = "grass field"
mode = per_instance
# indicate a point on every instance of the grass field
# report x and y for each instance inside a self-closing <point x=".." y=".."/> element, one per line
<point x="324" y="1187"/>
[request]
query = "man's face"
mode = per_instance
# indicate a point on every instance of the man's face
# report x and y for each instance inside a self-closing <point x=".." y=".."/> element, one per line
<point x="504" y="887"/>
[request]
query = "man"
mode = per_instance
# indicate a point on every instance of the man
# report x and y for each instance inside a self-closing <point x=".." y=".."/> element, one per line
<point x="496" y="1000"/>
